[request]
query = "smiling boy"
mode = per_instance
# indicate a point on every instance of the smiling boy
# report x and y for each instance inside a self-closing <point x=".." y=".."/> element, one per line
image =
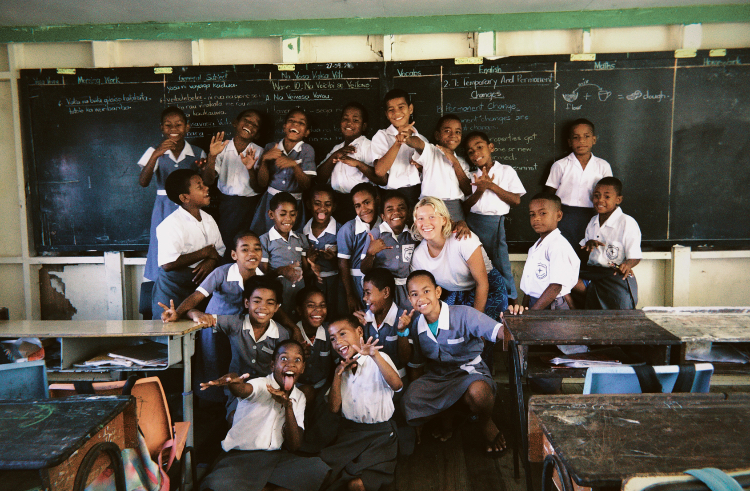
<point x="189" y="241"/>
<point x="391" y="156"/>
<point x="364" y="453"/>
<point x="391" y="245"/>
<point x="613" y="241"/>
<point x="270" y="414"/>
<point x="253" y="337"/>
<point x="551" y="268"/>
<point x="351" y="242"/>
<point x="284" y="251"/>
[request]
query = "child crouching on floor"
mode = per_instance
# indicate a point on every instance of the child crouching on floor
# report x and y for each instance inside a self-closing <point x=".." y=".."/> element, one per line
<point x="270" y="414"/>
<point x="364" y="453"/>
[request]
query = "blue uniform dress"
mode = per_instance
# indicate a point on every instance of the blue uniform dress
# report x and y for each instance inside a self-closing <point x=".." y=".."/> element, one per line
<point x="396" y="260"/>
<point x="212" y="349"/>
<point x="279" y="252"/>
<point x="351" y="244"/>
<point x="284" y="180"/>
<point x="454" y="360"/>
<point x="163" y="206"/>
<point x="249" y="355"/>
<point x="329" y="270"/>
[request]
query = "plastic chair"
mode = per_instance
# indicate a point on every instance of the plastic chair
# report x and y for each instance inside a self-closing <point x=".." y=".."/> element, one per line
<point x="154" y="421"/>
<point x="26" y="380"/>
<point x="625" y="380"/>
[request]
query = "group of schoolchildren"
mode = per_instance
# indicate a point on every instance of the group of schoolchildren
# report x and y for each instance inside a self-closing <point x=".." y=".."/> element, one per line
<point x="318" y="319"/>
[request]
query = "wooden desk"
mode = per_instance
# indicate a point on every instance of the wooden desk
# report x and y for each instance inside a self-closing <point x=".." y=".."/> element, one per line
<point x="699" y="328"/>
<point x="82" y="340"/>
<point x="604" y="439"/>
<point x="51" y="436"/>
<point x="594" y="328"/>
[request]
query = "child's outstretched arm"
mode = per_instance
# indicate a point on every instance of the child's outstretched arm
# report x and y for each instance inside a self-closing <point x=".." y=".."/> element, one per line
<point x="171" y="314"/>
<point x="367" y="170"/>
<point x="325" y="169"/>
<point x="371" y="349"/>
<point x="264" y="173"/>
<point x="237" y="384"/>
<point x="218" y="144"/>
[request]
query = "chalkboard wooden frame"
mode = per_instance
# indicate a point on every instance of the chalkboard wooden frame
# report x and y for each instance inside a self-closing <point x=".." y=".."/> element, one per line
<point x="674" y="130"/>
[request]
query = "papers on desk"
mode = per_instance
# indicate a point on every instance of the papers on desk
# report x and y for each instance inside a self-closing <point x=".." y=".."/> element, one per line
<point x="148" y="354"/>
<point x="609" y="357"/>
<point x="719" y="353"/>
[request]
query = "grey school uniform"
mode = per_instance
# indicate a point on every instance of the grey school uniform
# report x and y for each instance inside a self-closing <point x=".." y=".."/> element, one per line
<point x="278" y="252"/>
<point x="212" y="349"/>
<point x="248" y="355"/>
<point x="242" y="470"/>
<point x="351" y="244"/>
<point x="387" y="336"/>
<point x="397" y="260"/>
<point x="319" y="364"/>
<point x="329" y="269"/>
<point x="284" y="180"/>
<point x="454" y="360"/>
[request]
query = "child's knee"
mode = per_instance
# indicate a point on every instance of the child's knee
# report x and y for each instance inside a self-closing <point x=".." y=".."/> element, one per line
<point x="355" y="485"/>
<point x="479" y="394"/>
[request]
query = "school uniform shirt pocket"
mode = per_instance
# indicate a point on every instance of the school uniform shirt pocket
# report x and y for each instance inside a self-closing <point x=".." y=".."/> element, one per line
<point x="269" y="350"/>
<point x="391" y="338"/>
<point x="455" y="341"/>
<point x="325" y="353"/>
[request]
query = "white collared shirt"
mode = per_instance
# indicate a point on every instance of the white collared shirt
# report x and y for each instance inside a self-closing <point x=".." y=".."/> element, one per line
<point x="574" y="184"/>
<point x="344" y="177"/>
<point x="272" y="331"/>
<point x="330" y="229"/>
<point x="259" y="420"/>
<point x="391" y="318"/>
<point x="360" y="226"/>
<point x="490" y="203"/>
<point x="233" y="177"/>
<point x="181" y="233"/>
<point x="187" y="151"/>
<point x="621" y="234"/>
<point x="438" y="177"/>
<point x="552" y="260"/>
<point x="319" y="334"/>
<point x="402" y="174"/>
<point x="365" y="396"/>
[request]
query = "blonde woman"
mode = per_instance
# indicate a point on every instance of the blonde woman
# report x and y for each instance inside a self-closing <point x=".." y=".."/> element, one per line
<point x="461" y="267"/>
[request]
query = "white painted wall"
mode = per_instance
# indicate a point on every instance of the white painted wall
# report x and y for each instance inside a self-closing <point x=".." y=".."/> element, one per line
<point x="702" y="279"/>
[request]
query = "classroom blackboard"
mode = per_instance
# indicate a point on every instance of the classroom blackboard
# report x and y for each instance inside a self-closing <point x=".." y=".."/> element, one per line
<point x="674" y="130"/>
<point x="85" y="131"/>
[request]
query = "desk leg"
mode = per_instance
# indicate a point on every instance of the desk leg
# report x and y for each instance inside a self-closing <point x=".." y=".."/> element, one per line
<point x="188" y="349"/>
<point x="517" y="389"/>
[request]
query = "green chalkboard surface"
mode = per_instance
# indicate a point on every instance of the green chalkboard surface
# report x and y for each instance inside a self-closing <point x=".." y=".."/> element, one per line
<point x="674" y="130"/>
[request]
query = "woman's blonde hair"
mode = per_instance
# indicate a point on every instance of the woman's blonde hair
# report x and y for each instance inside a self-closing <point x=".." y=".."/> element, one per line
<point x="440" y="209"/>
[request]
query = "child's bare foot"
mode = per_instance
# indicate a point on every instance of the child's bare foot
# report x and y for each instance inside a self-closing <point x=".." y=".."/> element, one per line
<point x="495" y="445"/>
<point x="444" y="430"/>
